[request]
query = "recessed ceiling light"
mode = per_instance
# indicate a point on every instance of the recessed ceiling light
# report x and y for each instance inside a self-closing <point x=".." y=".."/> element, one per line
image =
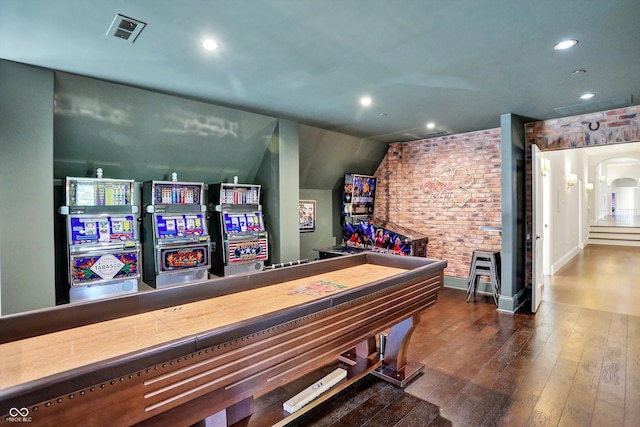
<point x="579" y="71"/>
<point x="366" y="101"/>
<point x="565" y="44"/>
<point x="210" y="44"/>
<point x="587" y="95"/>
<point x="431" y="125"/>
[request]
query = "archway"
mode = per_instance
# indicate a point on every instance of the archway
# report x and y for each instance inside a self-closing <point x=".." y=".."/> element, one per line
<point x="617" y="193"/>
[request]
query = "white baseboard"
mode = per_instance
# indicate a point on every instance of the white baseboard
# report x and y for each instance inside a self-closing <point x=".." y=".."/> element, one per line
<point x="564" y="259"/>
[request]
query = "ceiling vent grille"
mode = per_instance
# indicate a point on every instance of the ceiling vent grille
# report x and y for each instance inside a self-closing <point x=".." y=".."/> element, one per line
<point x="436" y="133"/>
<point x="593" y="106"/>
<point x="126" y="28"/>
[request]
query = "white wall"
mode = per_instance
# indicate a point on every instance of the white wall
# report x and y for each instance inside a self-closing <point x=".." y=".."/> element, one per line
<point x="627" y="199"/>
<point x="574" y="208"/>
<point x="601" y="192"/>
<point x="606" y="164"/>
<point x="569" y="222"/>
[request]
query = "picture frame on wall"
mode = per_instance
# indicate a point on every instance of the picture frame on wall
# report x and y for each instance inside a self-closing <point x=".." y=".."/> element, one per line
<point x="307" y="215"/>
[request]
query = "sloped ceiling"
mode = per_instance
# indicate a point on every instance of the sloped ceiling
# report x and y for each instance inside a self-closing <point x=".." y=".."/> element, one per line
<point x="458" y="63"/>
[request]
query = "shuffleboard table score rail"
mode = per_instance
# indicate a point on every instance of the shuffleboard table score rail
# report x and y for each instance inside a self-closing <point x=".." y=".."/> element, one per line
<point x="187" y="352"/>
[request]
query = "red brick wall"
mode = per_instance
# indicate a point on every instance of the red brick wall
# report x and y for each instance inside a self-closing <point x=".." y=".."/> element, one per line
<point x="602" y="128"/>
<point x="417" y="188"/>
<point x="445" y="188"/>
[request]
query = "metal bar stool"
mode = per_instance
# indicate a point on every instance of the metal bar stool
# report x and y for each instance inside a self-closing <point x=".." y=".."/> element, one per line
<point x="487" y="264"/>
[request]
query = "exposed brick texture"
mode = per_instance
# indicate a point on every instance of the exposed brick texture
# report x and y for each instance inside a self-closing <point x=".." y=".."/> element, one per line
<point x="423" y="185"/>
<point x="446" y="188"/>
<point x="587" y="130"/>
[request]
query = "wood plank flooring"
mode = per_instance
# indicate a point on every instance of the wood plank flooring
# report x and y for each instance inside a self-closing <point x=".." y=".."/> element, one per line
<point x="566" y="366"/>
<point x="601" y="277"/>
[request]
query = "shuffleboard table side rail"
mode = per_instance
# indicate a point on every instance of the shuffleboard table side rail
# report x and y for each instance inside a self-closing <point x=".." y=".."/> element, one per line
<point x="18" y="326"/>
<point x="40" y="390"/>
<point x="32" y="323"/>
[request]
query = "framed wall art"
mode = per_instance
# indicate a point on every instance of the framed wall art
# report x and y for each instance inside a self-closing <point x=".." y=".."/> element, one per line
<point x="307" y="215"/>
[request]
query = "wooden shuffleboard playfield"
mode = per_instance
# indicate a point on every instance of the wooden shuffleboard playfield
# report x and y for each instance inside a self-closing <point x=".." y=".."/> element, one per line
<point x="32" y="358"/>
<point x="186" y="352"/>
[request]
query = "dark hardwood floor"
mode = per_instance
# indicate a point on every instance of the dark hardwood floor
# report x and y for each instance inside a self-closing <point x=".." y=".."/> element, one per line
<point x="565" y="366"/>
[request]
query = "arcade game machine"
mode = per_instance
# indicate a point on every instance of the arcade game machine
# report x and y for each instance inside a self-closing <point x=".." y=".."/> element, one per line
<point x="385" y="237"/>
<point x="358" y="201"/>
<point x="240" y="240"/>
<point x="176" y="244"/>
<point x="359" y="197"/>
<point x="103" y="245"/>
<point x="361" y="232"/>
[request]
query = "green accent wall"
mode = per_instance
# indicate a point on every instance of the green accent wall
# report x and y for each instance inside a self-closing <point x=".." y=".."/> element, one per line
<point x="278" y="174"/>
<point x="26" y="188"/>
<point x="56" y="124"/>
<point x="513" y="293"/>
<point x="323" y="235"/>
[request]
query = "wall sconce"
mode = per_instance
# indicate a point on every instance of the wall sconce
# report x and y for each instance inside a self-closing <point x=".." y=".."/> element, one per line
<point x="545" y="166"/>
<point x="572" y="179"/>
<point x="589" y="186"/>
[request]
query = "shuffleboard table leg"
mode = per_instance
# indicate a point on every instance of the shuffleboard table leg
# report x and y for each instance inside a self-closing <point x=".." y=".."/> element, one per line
<point x="364" y="350"/>
<point x="395" y="368"/>
<point x="237" y="415"/>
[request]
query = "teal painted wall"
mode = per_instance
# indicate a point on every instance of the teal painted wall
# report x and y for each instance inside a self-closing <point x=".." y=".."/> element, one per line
<point x="26" y="189"/>
<point x="278" y="175"/>
<point x="56" y="124"/>
<point x="513" y="292"/>
<point x="324" y="234"/>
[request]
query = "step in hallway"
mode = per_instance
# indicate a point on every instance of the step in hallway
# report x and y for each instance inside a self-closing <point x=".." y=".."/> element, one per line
<point x="619" y="230"/>
<point x="575" y="363"/>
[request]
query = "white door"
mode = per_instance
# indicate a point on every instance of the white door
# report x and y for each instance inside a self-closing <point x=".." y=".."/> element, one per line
<point x="538" y="224"/>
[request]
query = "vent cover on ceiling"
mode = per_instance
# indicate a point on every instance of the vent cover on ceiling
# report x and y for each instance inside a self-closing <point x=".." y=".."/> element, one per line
<point x="126" y="28"/>
<point x="593" y="106"/>
<point x="435" y="133"/>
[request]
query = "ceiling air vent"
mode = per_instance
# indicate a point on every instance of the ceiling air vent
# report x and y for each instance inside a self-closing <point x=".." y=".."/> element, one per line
<point x="126" y="28"/>
<point x="593" y="106"/>
<point x="435" y="133"/>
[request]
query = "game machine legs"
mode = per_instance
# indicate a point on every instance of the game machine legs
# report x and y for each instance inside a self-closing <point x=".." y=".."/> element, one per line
<point x="103" y="246"/>
<point x="176" y="244"/>
<point x="240" y="240"/>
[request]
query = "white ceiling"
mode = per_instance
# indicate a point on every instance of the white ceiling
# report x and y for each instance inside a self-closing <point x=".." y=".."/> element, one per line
<point x="458" y="63"/>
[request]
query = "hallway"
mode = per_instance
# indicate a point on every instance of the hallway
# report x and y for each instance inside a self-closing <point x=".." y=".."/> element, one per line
<point x="601" y="277"/>
<point x="576" y="362"/>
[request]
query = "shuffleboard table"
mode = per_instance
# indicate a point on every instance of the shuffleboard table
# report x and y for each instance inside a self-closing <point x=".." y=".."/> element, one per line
<point x="180" y="355"/>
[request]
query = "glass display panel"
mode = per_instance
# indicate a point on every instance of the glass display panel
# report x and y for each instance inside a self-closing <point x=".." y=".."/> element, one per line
<point x="170" y="226"/>
<point x="183" y="258"/>
<point x="93" y="192"/>
<point x="177" y="194"/>
<point x="245" y="222"/>
<point x="102" y="229"/>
